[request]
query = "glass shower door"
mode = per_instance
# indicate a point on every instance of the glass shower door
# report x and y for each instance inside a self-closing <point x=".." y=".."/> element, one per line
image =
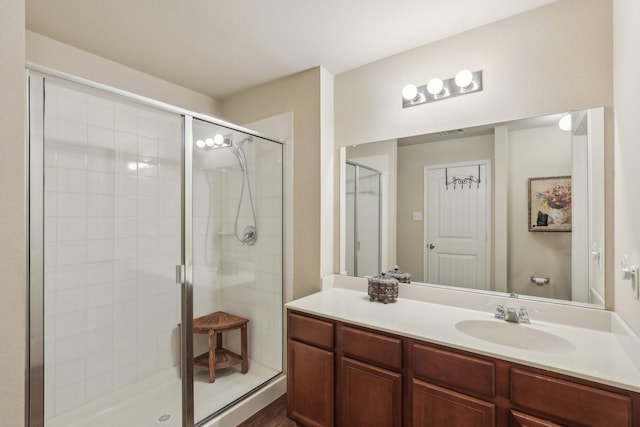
<point x="237" y="262"/>
<point x="117" y="201"/>
<point x="108" y="171"/>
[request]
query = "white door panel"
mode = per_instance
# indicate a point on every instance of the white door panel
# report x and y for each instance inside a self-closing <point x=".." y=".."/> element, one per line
<point x="457" y="228"/>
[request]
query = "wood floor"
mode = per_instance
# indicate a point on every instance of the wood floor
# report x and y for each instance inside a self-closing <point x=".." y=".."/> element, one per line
<point x="272" y="415"/>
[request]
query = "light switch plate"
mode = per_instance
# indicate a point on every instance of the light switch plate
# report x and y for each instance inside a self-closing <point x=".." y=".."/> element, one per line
<point x="417" y="216"/>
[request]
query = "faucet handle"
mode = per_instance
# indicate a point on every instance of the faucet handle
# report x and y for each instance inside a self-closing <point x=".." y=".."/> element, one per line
<point x="523" y="314"/>
<point x="500" y="312"/>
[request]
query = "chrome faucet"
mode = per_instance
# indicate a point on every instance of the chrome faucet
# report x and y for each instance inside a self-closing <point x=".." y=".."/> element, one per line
<point x="523" y="315"/>
<point x="509" y="314"/>
<point x="499" y="314"/>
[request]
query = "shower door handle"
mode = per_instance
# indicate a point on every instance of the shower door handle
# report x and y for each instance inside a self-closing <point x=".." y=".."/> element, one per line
<point x="180" y="274"/>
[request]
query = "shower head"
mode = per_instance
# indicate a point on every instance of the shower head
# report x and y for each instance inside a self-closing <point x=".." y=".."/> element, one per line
<point x="237" y="147"/>
<point x="240" y="143"/>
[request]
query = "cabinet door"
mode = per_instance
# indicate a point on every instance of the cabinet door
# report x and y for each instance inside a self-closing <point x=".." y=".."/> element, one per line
<point x="310" y="385"/>
<point x="518" y="419"/>
<point x="437" y="406"/>
<point x="371" y="396"/>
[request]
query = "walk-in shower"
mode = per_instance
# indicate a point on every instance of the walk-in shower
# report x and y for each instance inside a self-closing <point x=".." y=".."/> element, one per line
<point x="127" y="198"/>
<point x="249" y="235"/>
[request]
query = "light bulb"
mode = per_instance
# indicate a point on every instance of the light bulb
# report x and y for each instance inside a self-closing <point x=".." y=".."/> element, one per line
<point x="463" y="78"/>
<point x="435" y="86"/>
<point x="565" y="122"/>
<point x="409" y="92"/>
<point x="209" y="142"/>
<point x="218" y="139"/>
<point x="200" y="143"/>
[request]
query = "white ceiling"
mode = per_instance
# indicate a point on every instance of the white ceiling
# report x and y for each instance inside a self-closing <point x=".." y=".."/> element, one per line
<point x="219" y="47"/>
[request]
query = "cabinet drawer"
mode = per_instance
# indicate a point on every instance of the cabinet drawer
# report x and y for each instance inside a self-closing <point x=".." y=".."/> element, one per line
<point x="453" y="370"/>
<point x="437" y="406"/>
<point x="374" y="348"/>
<point x="519" y="419"/>
<point x="310" y="330"/>
<point x="568" y="401"/>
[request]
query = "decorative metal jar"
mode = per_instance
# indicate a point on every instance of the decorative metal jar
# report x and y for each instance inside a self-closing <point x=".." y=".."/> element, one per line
<point x="399" y="275"/>
<point x="383" y="288"/>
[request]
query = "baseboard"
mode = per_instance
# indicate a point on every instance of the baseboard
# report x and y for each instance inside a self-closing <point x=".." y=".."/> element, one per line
<point x="249" y="406"/>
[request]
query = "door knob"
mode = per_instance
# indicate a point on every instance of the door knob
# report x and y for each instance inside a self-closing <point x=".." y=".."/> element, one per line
<point x="431" y="246"/>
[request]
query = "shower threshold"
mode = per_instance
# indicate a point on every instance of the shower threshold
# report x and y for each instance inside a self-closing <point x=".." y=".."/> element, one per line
<point x="157" y="400"/>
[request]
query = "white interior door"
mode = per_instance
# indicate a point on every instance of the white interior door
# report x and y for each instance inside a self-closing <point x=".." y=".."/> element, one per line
<point x="457" y="227"/>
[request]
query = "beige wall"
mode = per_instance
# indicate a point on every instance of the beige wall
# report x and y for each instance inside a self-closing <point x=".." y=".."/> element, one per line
<point x="301" y="94"/>
<point x="530" y="253"/>
<point x="50" y="53"/>
<point x="551" y="59"/>
<point x="411" y="160"/>
<point x="548" y="60"/>
<point x="627" y="151"/>
<point x="13" y="217"/>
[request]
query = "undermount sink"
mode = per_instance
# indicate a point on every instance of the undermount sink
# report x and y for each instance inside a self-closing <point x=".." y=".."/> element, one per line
<point x="515" y="335"/>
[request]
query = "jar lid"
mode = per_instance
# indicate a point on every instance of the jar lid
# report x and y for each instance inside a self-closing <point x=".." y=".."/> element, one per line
<point x="383" y="278"/>
<point x="399" y="275"/>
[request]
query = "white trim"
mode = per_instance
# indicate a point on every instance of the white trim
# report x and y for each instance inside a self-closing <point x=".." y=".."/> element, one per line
<point x="54" y="74"/>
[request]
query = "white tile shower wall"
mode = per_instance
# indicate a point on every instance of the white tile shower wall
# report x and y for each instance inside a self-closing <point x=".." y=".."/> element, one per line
<point x="112" y="206"/>
<point x="280" y="127"/>
<point x="259" y="298"/>
<point x="229" y="276"/>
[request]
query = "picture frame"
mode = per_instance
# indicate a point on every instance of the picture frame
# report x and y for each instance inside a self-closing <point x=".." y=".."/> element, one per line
<point x="550" y="204"/>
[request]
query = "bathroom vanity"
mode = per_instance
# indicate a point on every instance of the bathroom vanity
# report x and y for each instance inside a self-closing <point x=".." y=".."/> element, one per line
<point x="352" y="362"/>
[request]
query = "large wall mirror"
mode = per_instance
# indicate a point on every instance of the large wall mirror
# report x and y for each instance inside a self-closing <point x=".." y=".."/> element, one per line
<point x="514" y="207"/>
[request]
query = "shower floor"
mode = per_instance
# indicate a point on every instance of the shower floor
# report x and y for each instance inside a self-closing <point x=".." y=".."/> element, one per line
<point x="158" y="400"/>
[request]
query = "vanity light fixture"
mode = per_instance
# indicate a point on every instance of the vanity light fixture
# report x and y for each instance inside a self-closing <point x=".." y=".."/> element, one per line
<point x="409" y="92"/>
<point x="463" y="79"/>
<point x="436" y="89"/>
<point x="565" y="122"/>
<point x="218" y="141"/>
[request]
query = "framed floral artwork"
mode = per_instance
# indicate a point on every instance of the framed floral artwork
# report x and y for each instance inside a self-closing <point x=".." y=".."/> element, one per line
<point x="550" y="203"/>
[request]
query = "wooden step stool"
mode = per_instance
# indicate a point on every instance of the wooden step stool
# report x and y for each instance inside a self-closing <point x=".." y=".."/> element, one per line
<point x="214" y="325"/>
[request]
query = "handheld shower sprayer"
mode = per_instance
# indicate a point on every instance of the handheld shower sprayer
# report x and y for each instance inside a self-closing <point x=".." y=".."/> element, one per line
<point x="250" y="234"/>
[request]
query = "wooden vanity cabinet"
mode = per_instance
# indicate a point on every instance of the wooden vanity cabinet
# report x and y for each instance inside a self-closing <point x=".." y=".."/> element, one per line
<point x="310" y="366"/>
<point x="370" y="380"/>
<point x="451" y="386"/>
<point x="569" y="402"/>
<point x="351" y="376"/>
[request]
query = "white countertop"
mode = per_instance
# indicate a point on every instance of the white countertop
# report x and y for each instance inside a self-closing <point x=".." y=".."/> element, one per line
<point x="602" y="355"/>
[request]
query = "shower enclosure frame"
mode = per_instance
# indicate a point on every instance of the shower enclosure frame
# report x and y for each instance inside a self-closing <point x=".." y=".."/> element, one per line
<point x="35" y="77"/>
<point x="356" y="246"/>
